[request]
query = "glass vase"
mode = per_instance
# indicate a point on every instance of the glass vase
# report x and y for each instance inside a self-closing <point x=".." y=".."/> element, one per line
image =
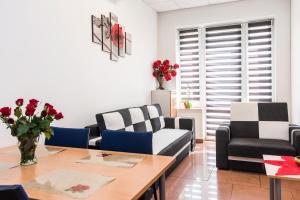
<point x="160" y="81"/>
<point x="27" y="147"/>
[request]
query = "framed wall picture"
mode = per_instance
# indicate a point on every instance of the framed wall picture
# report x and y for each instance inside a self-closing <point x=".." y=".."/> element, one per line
<point x="106" y="34"/>
<point x="114" y="37"/>
<point x="128" y="43"/>
<point x="96" y="30"/>
<point x="121" y="41"/>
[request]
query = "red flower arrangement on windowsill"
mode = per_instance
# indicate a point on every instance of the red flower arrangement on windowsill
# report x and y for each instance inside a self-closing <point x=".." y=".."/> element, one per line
<point x="164" y="70"/>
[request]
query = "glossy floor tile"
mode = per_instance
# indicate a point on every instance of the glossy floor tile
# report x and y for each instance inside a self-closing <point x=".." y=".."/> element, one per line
<point x="198" y="178"/>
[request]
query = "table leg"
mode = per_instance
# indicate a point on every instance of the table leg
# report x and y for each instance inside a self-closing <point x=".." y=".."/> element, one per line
<point x="275" y="189"/>
<point x="162" y="189"/>
<point x="272" y="189"/>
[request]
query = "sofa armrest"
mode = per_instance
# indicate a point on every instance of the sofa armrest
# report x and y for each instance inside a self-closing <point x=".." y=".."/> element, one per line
<point x="124" y="141"/>
<point x="180" y="123"/>
<point x="222" y="140"/>
<point x="294" y="135"/>
<point x="94" y="130"/>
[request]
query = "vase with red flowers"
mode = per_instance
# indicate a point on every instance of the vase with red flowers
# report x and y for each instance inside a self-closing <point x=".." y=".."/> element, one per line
<point x="164" y="70"/>
<point x="27" y="126"/>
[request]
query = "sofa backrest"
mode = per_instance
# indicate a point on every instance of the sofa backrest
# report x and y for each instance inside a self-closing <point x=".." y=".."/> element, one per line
<point x="259" y="120"/>
<point x="156" y="118"/>
<point x="129" y="119"/>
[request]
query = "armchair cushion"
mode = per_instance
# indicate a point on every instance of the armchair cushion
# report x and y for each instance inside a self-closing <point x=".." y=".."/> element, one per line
<point x="259" y="120"/>
<point x="255" y="148"/>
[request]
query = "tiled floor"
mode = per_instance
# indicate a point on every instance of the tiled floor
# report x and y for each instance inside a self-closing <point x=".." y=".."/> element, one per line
<point x="197" y="178"/>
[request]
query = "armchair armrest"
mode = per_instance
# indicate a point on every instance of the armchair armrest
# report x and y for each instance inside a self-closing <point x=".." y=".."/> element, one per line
<point x="294" y="135"/>
<point x="124" y="141"/>
<point x="182" y="123"/>
<point x="222" y="140"/>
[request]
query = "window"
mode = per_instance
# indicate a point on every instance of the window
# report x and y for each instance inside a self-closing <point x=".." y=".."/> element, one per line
<point x="223" y="47"/>
<point x="237" y="67"/>
<point x="189" y="62"/>
<point x="260" y="61"/>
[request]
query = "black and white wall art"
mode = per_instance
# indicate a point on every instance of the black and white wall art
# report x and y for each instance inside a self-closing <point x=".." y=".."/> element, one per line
<point x="107" y="32"/>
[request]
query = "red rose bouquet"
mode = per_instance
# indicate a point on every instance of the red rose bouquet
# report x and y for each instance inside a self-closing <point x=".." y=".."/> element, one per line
<point x="164" y="70"/>
<point x="27" y="126"/>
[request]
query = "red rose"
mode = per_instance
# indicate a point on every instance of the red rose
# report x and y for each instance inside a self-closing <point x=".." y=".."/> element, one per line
<point x="155" y="74"/>
<point x="176" y="66"/>
<point x="5" y="111"/>
<point x="156" y="64"/>
<point x="173" y="73"/>
<point x="168" y="77"/>
<point x="30" y="109"/>
<point x="166" y="62"/>
<point x="165" y="69"/>
<point x="52" y="111"/>
<point x="10" y="121"/>
<point x="59" y="116"/>
<point x="47" y="106"/>
<point x="44" y="113"/>
<point x="34" y="102"/>
<point x="20" y="102"/>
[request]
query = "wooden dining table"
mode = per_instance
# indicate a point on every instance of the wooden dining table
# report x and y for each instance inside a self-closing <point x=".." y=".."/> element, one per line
<point x="129" y="182"/>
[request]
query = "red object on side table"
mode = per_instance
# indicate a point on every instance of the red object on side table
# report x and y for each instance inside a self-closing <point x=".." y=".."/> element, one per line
<point x="288" y="166"/>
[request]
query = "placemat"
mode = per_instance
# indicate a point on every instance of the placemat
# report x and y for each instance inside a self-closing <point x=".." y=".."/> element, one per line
<point x="112" y="160"/>
<point x="71" y="183"/>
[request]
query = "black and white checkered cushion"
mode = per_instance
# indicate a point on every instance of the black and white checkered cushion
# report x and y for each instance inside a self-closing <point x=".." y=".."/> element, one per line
<point x="140" y="119"/>
<point x="129" y="119"/>
<point x="118" y="120"/>
<point x="156" y="118"/>
<point x="259" y="120"/>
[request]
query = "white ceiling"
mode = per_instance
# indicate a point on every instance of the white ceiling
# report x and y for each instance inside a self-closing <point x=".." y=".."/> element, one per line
<point x="167" y="5"/>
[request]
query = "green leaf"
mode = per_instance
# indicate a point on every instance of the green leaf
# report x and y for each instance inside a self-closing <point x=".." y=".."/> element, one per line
<point x="18" y="112"/>
<point x="32" y="125"/>
<point x="36" y="131"/>
<point x="48" y="133"/>
<point x="14" y="130"/>
<point x="44" y="124"/>
<point x="22" y="129"/>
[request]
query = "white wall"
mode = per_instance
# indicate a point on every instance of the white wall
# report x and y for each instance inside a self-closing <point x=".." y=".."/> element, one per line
<point x="46" y="53"/>
<point x="240" y="11"/>
<point x="295" y="25"/>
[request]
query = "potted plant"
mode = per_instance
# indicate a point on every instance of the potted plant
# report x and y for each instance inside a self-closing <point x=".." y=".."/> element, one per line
<point x="29" y="125"/>
<point x="164" y="71"/>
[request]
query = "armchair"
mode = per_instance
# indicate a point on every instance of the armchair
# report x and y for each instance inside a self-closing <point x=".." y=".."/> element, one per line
<point x="255" y="129"/>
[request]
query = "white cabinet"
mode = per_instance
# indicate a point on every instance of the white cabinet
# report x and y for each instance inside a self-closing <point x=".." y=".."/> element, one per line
<point x="167" y="101"/>
<point x="197" y="114"/>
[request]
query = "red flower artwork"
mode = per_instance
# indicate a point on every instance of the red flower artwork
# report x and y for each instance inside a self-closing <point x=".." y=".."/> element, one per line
<point x="287" y="165"/>
<point x="117" y="35"/>
<point x="78" y="188"/>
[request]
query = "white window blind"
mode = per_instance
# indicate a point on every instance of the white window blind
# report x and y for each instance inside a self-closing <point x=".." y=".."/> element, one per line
<point x="260" y="61"/>
<point x="236" y="63"/>
<point x="223" y="73"/>
<point x="189" y="62"/>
